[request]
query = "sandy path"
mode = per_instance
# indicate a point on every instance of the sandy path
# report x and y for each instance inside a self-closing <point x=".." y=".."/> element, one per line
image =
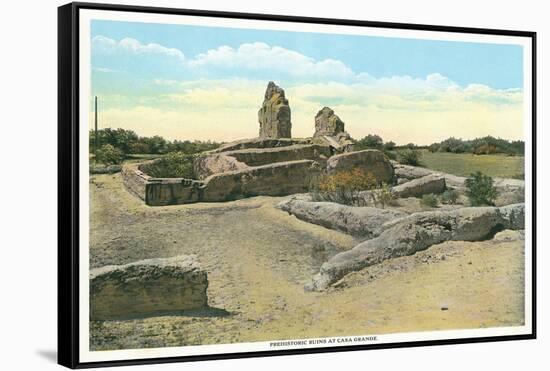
<point x="258" y="259"/>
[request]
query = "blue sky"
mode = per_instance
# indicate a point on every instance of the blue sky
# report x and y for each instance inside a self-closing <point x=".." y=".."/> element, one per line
<point x="496" y="65"/>
<point x="157" y="78"/>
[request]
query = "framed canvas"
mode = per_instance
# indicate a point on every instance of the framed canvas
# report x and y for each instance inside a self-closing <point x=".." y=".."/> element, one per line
<point x="242" y="185"/>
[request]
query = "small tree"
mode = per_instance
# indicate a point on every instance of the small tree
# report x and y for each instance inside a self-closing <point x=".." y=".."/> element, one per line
<point x="481" y="190"/>
<point x="450" y="197"/>
<point x="429" y="200"/>
<point x="139" y="148"/>
<point x="389" y="146"/>
<point x="382" y="196"/>
<point x="371" y="141"/>
<point x="410" y="157"/>
<point x="485" y="149"/>
<point x="109" y="155"/>
<point x="173" y="165"/>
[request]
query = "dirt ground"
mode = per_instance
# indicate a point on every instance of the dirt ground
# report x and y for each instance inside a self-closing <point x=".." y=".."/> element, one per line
<point x="259" y="258"/>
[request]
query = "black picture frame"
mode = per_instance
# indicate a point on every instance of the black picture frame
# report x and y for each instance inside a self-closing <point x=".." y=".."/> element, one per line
<point x="68" y="181"/>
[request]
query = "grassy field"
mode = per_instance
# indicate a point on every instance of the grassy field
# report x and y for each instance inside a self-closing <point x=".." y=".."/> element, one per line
<point x="464" y="164"/>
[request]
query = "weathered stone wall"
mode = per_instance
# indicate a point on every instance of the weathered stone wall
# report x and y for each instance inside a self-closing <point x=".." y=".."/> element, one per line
<point x="260" y="143"/>
<point x="432" y="183"/>
<point x="135" y="180"/>
<point x="278" y="179"/>
<point x="147" y="287"/>
<point x="370" y="160"/>
<point x="172" y="191"/>
<point x="264" y="156"/>
<point x="340" y="143"/>
<point x="160" y="191"/>
<point x="208" y="164"/>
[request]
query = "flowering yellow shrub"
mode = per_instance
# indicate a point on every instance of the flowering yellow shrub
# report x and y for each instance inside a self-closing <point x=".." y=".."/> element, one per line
<point x="344" y="187"/>
<point x="355" y="179"/>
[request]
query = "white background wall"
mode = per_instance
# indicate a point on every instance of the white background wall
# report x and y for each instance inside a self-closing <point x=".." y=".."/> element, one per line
<point x="28" y="152"/>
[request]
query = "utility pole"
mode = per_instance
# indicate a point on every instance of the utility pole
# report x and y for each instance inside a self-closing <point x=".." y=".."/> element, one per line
<point x="96" y="135"/>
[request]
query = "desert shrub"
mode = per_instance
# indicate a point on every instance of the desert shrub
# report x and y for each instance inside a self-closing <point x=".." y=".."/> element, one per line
<point x="389" y="146"/>
<point x="370" y="141"/>
<point x="482" y="146"/>
<point x="343" y="187"/>
<point x="434" y="147"/>
<point x="485" y="149"/>
<point x="129" y="142"/>
<point x="450" y="196"/>
<point x="172" y="165"/>
<point x="390" y="154"/>
<point x="410" y="157"/>
<point x="355" y="178"/>
<point x="109" y="155"/>
<point x="382" y="196"/>
<point x="429" y="200"/>
<point x="138" y="147"/>
<point x="481" y="190"/>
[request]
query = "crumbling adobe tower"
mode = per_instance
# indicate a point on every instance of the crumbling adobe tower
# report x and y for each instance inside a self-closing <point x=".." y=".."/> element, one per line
<point x="274" y="116"/>
<point x="329" y="126"/>
<point x="327" y="123"/>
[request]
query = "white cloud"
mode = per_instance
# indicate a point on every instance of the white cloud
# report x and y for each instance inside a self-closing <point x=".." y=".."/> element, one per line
<point x="254" y="60"/>
<point x="247" y="58"/>
<point x="438" y="81"/>
<point x="259" y="60"/>
<point x="105" y="45"/>
<point x="259" y="56"/>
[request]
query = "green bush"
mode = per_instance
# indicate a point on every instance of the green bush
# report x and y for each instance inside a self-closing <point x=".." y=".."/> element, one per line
<point x="481" y="190"/>
<point x="429" y="200"/>
<point x="410" y="157"/>
<point x="109" y="155"/>
<point x="346" y="187"/>
<point x="450" y="196"/>
<point x="390" y="154"/>
<point x="370" y="141"/>
<point x="389" y="146"/>
<point x="485" y="145"/>
<point x="172" y="165"/>
<point x="382" y="196"/>
<point x="129" y="142"/>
